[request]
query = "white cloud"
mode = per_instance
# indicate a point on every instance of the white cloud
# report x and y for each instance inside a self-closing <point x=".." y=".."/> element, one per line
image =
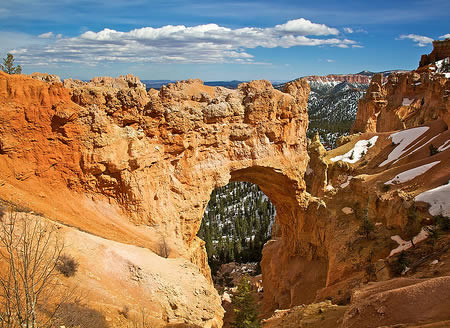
<point x="303" y="26"/>
<point x="348" y="30"/>
<point x="445" y="36"/>
<point x="47" y="35"/>
<point x="420" y="40"/>
<point x="208" y="43"/>
<point x="330" y="60"/>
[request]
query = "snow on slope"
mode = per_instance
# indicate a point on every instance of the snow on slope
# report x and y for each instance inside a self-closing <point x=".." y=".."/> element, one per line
<point x="412" y="173"/>
<point x="355" y="154"/>
<point x="407" y="101"/>
<point x="444" y="146"/>
<point x="403" y="139"/>
<point x="404" y="245"/>
<point x="438" y="198"/>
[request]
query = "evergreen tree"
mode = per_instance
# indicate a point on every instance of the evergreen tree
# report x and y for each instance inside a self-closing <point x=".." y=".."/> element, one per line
<point x="8" y="65"/>
<point x="244" y="306"/>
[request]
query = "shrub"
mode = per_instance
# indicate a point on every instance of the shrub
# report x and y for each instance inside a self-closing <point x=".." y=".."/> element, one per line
<point x="433" y="150"/>
<point x="371" y="271"/>
<point x="413" y="226"/>
<point x="442" y="222"/>
<point x="366" y="227"/>
<point x="433" y="233"/>
<point x="79" y="315"/>
<point x="67" y="265"/>
<point x="125" y="312"/>
<point x="386" y="187"/>
<point x="399" y="265"/>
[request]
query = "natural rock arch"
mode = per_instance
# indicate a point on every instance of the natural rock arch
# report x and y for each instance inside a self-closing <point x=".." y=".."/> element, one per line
<point x="155" y="158"/>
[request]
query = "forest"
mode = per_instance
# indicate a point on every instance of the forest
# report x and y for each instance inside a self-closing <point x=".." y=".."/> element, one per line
<point x="236" y="224"/>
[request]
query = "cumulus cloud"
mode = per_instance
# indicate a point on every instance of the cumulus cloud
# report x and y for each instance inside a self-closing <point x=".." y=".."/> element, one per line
<point x="303" y="26"/>
<point x="420" y="40"/>
<point x="348" y="30"/>
<point x="47" y="35"/>
<point x="445" y="36"/>
<point x="208" y="43"/>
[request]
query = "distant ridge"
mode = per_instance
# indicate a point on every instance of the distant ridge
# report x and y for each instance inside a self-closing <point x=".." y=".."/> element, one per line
<point x="157" y="84"/>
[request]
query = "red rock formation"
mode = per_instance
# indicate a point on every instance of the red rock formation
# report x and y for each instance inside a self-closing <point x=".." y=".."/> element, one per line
<point x="441" y="50"/>
<point x="151" y="159"/>
<point x="406" y="100"/>
<point x="138" y="168"/>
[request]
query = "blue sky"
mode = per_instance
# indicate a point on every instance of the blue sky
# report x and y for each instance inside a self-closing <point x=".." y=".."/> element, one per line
<point x="218" y="40"/>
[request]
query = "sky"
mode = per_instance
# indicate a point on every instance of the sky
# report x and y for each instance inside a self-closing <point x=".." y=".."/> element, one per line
<point x="219" y="40"/>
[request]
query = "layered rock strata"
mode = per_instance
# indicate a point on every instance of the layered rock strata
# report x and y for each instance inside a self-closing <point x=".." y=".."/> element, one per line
<point x="406" y="100"/>
<point x="138" y="167"/>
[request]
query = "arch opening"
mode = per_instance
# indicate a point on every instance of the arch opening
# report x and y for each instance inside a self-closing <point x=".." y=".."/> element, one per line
<point x="293" y="260"/>
<point x="236" y="224"/>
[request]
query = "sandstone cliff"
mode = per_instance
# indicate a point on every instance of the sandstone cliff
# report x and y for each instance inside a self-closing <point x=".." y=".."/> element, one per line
<point x="134" y="170"/>
<point x="134" y="167"/>
<point x="441" y="50"/>
<point x="407" y="99"/>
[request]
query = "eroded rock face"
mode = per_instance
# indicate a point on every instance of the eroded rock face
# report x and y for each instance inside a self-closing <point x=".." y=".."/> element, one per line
<point x="406" y="100"/>
<point x="441" y="50"/>
<point x="139" y="167"/>
<point x="351" y="78"/>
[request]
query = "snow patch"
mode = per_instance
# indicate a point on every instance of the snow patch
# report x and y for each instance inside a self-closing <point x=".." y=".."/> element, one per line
<point x="403" y="139"/>
<point x="226" y="297"/>
<point x="404" y="245"/>
<point x="407" y="101"/>
<point x="412" y="173"/>
<point x="347" y="210"/>
<point x="440" y="64"/>
<point x="418" y="148"/>
<point x="438" y="198"/>
<point x="330" y="187"/>
<point x="445" y="146"/>
<point x="355" y="154"/>
<point x="346" y="183"/>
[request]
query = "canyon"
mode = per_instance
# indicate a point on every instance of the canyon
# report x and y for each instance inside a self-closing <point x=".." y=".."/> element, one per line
<point x="127" y="173"/>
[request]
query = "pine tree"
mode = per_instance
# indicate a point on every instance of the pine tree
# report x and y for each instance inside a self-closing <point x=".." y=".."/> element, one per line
<point x="8" y="65"/>
<point x="244" y="306"/>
